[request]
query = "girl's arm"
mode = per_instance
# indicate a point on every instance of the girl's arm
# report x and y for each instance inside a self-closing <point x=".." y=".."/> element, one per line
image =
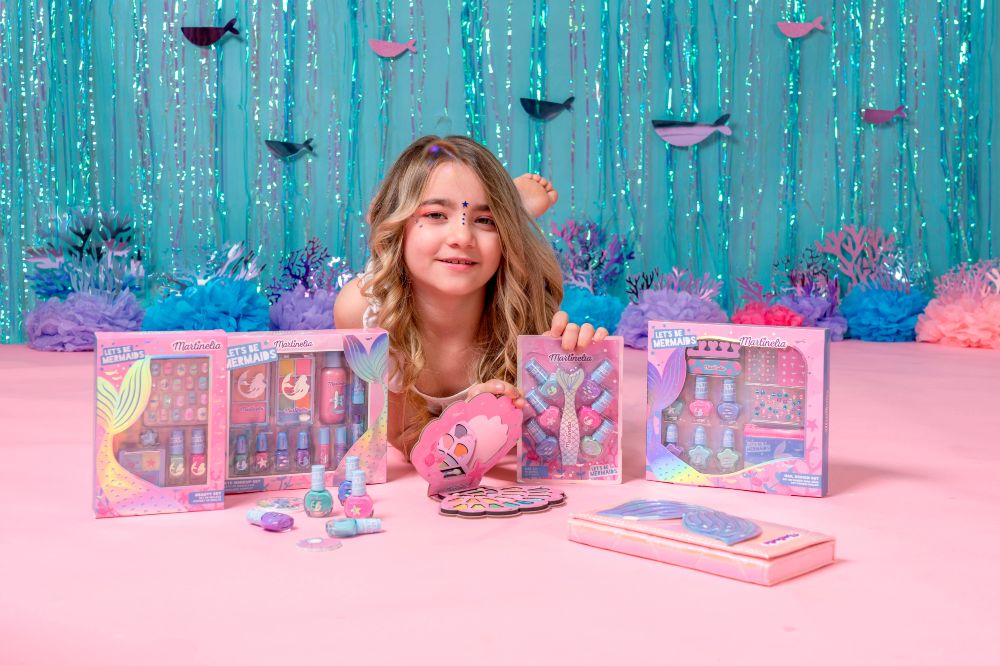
<point x="350" y="306"/>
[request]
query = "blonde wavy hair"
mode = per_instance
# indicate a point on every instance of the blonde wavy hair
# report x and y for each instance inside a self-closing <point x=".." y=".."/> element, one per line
<point x="521" y="297"/>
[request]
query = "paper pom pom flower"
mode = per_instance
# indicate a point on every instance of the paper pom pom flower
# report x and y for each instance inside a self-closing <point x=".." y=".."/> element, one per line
<point x="883" y="315"/>
<point x="966" y="309"/>
<point x="69" y="325"/>
<point x="584" y="307"/>
<point x="302" y="310"/>
<point x="222" y="302"/>
<point x="677" y="296"/>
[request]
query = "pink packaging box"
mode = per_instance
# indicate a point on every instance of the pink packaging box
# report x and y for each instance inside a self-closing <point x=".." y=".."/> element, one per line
<point x="160" y="426"/>
<point x="660" y="530"/>
<point x="735" y="406"/>
<point x="572" y="423"/>
<point x="302" y="398"/>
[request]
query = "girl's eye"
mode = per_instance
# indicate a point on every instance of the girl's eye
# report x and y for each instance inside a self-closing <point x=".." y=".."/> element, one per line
<point x="486" y="221"/>
<point x="435" y="216"/>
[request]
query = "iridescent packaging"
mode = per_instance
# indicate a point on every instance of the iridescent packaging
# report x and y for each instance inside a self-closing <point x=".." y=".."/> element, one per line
<point x="160" y="427"/>
<point x="735" y="406"/>
<point x="571" y="428"/>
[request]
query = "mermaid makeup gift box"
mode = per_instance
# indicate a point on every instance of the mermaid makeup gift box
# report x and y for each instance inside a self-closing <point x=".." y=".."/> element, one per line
<point x="734" y="406"/>
<point x="701" y="538"/>
<point x="160" y="427"/>
<point x="304" y="398"/>
<point x="572" y="423"/>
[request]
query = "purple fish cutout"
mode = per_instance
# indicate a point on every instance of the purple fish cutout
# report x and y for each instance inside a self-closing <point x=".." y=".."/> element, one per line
<point x="392" y="49"/>
<point x="545" y="110"/>
<point x="649" y="510"/>
<point x="878" y="116"/>
<point x="796" y="30"/>
<point x="287" y="149"/>
<point x="684" y="133"/>
<point x="208" y="35"/>
<point x="717" y="525"/>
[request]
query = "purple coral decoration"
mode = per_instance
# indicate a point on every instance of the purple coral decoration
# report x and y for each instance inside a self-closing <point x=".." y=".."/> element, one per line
<point x="590" y="257"/>
<point x="69" y="325"/>
<point x="302" y="310"/>
<point x="311" y="268"/>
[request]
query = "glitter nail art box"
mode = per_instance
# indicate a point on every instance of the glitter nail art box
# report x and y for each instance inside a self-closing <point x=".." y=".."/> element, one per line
<point x="302" y="398"/>
<point x="160" y="426"/>
<point x="735" y="406"/>
<point x="572" y="422"/>
<point x="701" y="538"/>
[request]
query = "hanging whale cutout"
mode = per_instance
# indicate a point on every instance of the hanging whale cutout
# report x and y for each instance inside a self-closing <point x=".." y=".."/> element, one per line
<point x="685" y="133"/>
<point x="545" y="110"/>
<point x="208" y="35"/>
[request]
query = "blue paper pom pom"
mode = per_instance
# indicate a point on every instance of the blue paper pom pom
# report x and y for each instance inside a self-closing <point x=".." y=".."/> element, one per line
<point x="232" y="305"/>
<point x="883" y="315"/>
<point x="301" y="310"/>
<point x="595" y="309"/>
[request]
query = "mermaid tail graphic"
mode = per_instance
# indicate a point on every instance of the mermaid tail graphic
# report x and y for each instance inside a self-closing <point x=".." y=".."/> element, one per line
<point x="370" y="366"/>
<point x="569" y="426"/>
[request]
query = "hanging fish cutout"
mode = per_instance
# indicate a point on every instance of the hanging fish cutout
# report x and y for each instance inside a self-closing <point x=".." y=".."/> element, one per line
<point x="392" y="49"/>
<point x="684" y="133"/>
<point x="287" y="150"/>
<point x="208" y="35"/>
<point x="879" y="116"/>
<point x="545" y="110"/>
<point x="796" y="30"/>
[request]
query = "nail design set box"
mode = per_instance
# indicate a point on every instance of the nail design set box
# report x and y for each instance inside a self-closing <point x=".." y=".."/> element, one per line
<point x="304" y="398"/>
<point x="160" y="426"/>
<point x="735" y="406"/>
<point x="701" y="538"/>
<point x="572" y="423"/>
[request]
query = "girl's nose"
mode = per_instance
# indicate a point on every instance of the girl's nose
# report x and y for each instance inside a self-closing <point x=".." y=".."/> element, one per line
<point x="459" y="232"/>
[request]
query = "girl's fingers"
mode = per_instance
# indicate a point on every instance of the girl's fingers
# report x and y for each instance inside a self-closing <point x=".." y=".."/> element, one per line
<point x="586" y="335"/>
<point x="559" y="322"/>
<point x="600" y="334"/>
<point x="570" y="336"/>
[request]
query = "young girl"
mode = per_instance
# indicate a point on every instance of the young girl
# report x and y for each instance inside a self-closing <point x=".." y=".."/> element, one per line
<point x="458" y="270"/>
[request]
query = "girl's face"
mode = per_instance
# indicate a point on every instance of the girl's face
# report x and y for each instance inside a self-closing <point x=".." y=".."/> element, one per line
<point x="451" y="245"/>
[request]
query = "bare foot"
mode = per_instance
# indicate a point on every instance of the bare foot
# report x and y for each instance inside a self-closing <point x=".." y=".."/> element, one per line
<point x="537" y="194"/>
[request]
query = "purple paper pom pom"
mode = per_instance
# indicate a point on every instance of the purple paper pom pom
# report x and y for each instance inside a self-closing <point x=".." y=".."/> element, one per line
<point x="301" y="310"/>
<point x="69" y="325"/>
<point x="817" y="311"/>
<point x="665" y="305"/>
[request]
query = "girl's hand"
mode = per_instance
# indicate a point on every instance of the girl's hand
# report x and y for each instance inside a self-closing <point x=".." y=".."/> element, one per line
<point x="575" y="336"/>
<point x="500" y="388"/>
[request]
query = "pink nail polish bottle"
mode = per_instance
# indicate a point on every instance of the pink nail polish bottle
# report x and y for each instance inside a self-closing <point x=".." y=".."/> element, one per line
<point x="701" y="406"/>
<point x="358" y="504"/>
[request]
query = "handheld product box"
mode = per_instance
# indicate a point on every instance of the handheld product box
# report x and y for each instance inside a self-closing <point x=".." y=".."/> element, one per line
<point x="700" y="538"/>
<point x="160" y="427"/>
<point x="572" y="423"/>
<point x="734" y="406"/>
<point x="299" y="399"/>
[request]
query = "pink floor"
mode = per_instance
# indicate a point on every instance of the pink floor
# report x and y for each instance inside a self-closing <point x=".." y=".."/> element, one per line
<point x="914" y="504"/>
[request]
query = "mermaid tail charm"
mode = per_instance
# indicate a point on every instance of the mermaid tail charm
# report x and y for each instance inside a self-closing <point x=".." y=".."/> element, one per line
<point x="569" y="426"/>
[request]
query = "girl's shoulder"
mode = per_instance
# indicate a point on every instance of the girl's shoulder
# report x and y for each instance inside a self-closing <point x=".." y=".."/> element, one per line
<point x="350" y="306"/>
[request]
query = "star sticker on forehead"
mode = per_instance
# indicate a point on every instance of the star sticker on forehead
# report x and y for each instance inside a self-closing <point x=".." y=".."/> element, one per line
<point x="465" y="204"/>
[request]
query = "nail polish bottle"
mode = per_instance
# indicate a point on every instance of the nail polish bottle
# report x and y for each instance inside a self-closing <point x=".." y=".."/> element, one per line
<point x="358" y="504"/>
<point x="548" y="417"/>
<point x="240" y="461"/>
<point x="199" y="468"/>
<point x="272" y="521"/>
<point x="547" y="386"/>
<point x="545" y="445"/>
<point x="593" y="446"/>
<point x="332" y="385"/>
<point x="728" y="457"/>
<point x="262" y="455"/>
<point x="176" y="472"/>
<point x="670" y="438"/>
<point x="349" y="527"/>
<point x="589" y="420"/>
<point x="282" y="461"/>
<point x="702" y="406"/>
<point x="699" y="454"/>
<point x="603" y="402"/>
<point x="318" y="502"/>
<point x="728" y="409"/>
<point x="593" y="386"/>
<point x="344" y="489"/>
<point x="323" y="450"/>
<point x="303" y="456"/>
<point x="340" y="446"/>
<point x="357" y="393"/>
<point x="357" y="429"/>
